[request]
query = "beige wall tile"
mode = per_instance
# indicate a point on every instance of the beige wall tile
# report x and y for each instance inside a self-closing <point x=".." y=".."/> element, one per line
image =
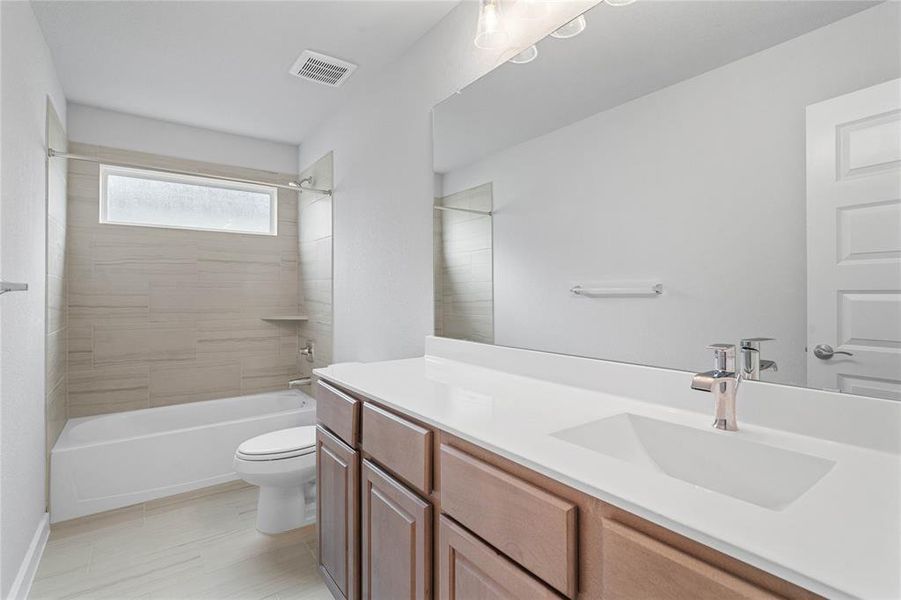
<point x="262" y="374"/>
<point x="170" y="316"/>
<point x="80" y="351"/>
<point x="144" y="343"/>
<point x="194" y="382"/>
<point x="55" y="351"/>
<point x="236" y="343"/>
<point x="56" y="411"/>
<point x="108" y="389"/>
<point x="315" y="266"/>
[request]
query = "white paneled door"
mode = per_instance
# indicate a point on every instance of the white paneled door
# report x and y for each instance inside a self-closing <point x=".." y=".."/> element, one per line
<point x="854" y="242"/>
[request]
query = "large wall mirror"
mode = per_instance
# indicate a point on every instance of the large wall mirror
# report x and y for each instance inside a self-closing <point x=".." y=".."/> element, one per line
<point x="682" y="173"/>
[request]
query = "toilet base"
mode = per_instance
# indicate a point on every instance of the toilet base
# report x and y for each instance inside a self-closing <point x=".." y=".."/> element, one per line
<point x="280" y="509"/>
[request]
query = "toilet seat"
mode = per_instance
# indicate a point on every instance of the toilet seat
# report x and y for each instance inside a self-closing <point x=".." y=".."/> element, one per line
<point x="279" y="445"/>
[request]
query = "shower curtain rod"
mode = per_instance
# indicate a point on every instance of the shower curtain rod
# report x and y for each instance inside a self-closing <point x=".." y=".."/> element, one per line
<point x="295" y="186"/>
<point x="486" y="213"/>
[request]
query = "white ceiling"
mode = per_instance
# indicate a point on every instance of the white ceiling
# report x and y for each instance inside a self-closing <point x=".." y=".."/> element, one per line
<point x="624" y="53"/>
<point x="223" y="65"/>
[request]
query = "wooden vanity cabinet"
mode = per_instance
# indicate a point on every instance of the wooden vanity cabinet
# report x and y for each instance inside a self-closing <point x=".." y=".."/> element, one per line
<point x="501" y="530"/>
<point x="338" y="514"/>
<point x="396" y="539"/>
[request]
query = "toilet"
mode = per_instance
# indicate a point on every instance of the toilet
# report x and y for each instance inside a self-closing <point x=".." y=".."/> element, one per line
<point x="283" y="464"/>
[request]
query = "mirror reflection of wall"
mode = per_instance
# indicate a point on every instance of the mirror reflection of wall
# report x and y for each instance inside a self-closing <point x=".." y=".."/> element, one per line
<point x="464" y="295"/>
<point x="643" y="150"/>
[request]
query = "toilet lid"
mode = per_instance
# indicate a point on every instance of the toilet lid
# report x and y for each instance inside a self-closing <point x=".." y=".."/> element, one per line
<point x="285" y="443"/>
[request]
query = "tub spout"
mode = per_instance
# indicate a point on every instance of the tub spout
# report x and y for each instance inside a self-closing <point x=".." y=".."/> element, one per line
<point x="296" y="384"/>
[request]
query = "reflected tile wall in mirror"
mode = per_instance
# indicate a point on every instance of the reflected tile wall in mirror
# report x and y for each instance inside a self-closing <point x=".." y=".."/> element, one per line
<point x="464" y="298"/>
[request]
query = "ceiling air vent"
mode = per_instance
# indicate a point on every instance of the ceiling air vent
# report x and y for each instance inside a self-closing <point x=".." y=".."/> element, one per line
<point x="323" y="69"/>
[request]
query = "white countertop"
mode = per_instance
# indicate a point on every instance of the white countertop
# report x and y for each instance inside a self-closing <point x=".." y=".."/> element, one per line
<point x="841" y="539"/>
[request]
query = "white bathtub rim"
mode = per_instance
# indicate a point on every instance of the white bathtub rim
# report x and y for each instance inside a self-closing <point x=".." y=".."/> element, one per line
<point x="72" y="423"/>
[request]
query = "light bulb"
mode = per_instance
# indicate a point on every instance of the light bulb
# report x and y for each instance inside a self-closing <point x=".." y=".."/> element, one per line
<point x="490" y="33"/>
<point x="619" y="2"/>
<point x="571" y="29"/>
<point x="526" y="56"/>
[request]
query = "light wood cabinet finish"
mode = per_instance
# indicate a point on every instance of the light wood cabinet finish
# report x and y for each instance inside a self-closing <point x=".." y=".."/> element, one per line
<point x="533" y="527"/>
<point x="635" y="565"/>
<point x="402" y="447"/>
<point x="511" y="532"/>
<point x="338" y="514"/>
<point x="396" y="538"/>
<point x="338" y="412"/>
<point x="593" y="513"/>
<point x="470" y="570"/>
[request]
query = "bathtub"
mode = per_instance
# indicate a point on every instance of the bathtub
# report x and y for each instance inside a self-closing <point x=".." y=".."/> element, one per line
<point x="115" y="460"/>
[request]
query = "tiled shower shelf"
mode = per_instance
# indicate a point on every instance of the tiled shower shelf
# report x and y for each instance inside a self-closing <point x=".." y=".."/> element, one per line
<point x="285" y="318"/>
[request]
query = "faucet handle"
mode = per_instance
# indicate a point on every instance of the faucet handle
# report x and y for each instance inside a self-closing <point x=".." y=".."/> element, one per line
<point x="754" y="342"/>
<point x="723" y="356"/>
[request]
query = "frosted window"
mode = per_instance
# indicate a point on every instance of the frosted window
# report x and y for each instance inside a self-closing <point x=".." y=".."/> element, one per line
<point x="157" y="199"/>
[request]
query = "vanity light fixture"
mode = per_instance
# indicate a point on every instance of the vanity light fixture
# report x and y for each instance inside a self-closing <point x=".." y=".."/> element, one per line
<point x="491" y="33"/>
<point x="571" y="29"/>
<point x="526" y="56"/>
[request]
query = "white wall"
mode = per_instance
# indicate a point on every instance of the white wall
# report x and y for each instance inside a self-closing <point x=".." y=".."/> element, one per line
<point x="28" y="77"/>
<point x="384" y="185"/>
<point x="89" y="125"/>
<point x="700" y="185"/>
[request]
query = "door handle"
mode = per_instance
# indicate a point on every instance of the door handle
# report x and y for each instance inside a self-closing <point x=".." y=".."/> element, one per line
<point x="825" y="352"/>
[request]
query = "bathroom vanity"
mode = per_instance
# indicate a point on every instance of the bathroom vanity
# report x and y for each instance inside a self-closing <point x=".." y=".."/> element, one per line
<point x="456" y="475"/>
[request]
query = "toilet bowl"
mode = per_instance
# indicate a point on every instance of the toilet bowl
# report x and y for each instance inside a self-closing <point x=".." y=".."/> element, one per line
<point x="283" y="465"/>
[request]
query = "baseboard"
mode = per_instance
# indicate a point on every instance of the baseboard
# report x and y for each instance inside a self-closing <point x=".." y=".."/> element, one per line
<point x="25" y="577"/>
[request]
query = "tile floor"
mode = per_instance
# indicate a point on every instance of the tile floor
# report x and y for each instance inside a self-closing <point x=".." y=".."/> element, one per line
<point x="198" y="545"/>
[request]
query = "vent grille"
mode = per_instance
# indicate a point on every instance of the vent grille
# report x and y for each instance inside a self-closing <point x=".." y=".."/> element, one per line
<point x="323" y="69"/>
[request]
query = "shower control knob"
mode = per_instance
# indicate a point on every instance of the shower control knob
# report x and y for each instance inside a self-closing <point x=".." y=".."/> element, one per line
<point x="825" y="352"/>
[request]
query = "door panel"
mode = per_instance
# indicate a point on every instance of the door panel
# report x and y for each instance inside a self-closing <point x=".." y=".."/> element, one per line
<point x="854" y="241"/>
<point x="396" y="539"/>
<point x="338" y="468"/>
<point x="472" y="570"/>
<point x="636" y="566"/>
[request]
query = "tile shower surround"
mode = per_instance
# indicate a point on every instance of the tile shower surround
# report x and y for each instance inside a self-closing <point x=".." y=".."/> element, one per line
<point x="316" y="264"/>
<point x="57" y="334"/>
<point x="164" y="316"/>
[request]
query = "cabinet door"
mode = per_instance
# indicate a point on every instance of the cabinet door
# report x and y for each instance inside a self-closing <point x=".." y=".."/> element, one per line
<point x="338" y="510"/>
<point x="470" y="570"/>
<point x="637" y="566"/>
<point x="396" y="539"/>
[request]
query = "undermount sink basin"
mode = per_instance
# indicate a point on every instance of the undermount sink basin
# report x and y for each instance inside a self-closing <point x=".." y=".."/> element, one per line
<point x="763" y="475"/>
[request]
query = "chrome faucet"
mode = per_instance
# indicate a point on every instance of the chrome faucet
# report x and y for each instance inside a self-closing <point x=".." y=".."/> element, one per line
<point x="722" y="382"/>
<point x="307" y="351"/>
<point x="751" y="363"/>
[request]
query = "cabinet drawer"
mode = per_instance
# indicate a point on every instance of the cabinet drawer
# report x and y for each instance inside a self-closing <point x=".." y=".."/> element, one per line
<point x="635" y="565"/>
<point x="531" y="526"/>
<point x="402" y="447"/>
<point x="396" y="539"/>
<point x="337" y="514"/>
<point x="338" y="412"/>
<point x="469" y="569"/>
